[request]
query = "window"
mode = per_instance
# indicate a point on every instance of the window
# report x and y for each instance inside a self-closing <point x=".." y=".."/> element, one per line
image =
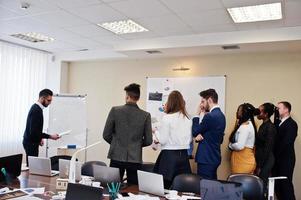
<point x="22" y="76"/>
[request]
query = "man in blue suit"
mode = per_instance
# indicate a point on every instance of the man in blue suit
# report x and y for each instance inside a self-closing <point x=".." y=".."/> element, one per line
<point x="209" y="134"/>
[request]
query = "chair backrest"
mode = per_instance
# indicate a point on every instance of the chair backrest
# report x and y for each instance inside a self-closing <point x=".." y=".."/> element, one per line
<point x="55" y="161"/>
<point x="219" y="189"/>
<point x="187" y="183"/>
<point x="106" y="174"/>
<point x="87" y="167"/>
<point x="147" y="167"/>
<point x="253" y="188"/>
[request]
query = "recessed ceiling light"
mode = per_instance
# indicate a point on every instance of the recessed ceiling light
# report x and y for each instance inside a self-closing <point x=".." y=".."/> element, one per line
<point x="123" y="27"/>
<point x="33" y="37"/>
<point x="256" y="13"/>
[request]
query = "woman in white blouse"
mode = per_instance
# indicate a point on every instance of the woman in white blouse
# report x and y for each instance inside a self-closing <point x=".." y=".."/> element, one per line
<point x="242" y="140"/>
<point x="174" y="135"/>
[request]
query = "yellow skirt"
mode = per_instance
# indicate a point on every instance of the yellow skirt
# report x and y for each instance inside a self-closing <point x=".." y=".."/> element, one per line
<point x="243" y="161"/>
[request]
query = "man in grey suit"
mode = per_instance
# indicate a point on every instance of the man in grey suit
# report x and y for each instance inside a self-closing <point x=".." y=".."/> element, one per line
<point x="127" y="130"/>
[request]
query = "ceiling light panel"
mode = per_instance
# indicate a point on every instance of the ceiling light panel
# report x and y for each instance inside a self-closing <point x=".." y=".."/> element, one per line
<point x="264" y="12"/>
<point x="123" y="27"/>
<point x="33" y="37"/>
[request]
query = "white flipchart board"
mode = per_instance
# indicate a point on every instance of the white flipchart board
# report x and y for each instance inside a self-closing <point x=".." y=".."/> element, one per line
<point x="158" y="90"/>
<point x="67" y="112"/>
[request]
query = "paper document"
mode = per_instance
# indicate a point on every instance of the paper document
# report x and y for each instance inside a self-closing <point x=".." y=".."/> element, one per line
<point x="4" y="190"/>
<point x="138" y="197"/>
<point x="64" y="133"/>
<point x="28" y="198"/>
<point x="154" y="120"/>
<point x="12" y="194"/>
<point x="40" y="190"/>
<point x="189" y="197"/>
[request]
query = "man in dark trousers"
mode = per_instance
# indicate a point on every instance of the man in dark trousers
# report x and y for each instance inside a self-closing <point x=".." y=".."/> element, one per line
<point x="209" y="134"/>
<point x="33" y="135"/>
<point x="284" y="152"/>
<point x="127" y="130"/>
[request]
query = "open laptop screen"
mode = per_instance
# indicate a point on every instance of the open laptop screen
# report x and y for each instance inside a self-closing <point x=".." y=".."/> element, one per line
<point x="150" y="183"/>
<point x="80" y="192"/>
<point x="11" y="165"/>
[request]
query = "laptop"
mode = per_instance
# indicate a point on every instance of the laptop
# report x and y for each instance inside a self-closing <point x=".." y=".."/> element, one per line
<point x="40" y="166"/>
<point x="79" y="192"/>
<point x="150" y="183"/>
<point x="64" y="167"/>
<point x="106" y="174"/>
<point x="12" y="165"/>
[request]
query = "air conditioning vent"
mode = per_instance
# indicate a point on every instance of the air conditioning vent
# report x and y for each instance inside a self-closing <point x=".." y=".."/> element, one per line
<point x="230" y="47"/>
<point x="153" y="52"/>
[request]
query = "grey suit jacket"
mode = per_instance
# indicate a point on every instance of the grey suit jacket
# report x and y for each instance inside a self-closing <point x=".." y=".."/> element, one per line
<point x="127" y="130"/>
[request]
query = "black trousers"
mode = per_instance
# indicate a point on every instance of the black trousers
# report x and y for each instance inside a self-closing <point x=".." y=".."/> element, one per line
<point x="130" y="168"/>
<point x="284" y="189"/>
<point x="31" y="149"/>
<point x="207" y="171"/>
<point x="266" y="170"/>
<point x="171" y="163"/>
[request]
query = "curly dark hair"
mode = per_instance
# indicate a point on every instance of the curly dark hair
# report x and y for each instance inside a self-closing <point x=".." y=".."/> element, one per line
<point x="248" y="113"/>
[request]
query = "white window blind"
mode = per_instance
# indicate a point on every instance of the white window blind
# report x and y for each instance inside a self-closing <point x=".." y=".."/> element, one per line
<point x="22" y="76"/>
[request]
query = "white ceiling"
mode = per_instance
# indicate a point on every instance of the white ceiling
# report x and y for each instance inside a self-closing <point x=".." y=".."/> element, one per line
<point x="175" y="26"/>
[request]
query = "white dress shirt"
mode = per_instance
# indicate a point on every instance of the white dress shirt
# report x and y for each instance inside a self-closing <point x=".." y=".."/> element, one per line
<point x="245" y="137"/>
<point x="174" y="132"/>
<point x="216" y="106"/>
<point x="41" y="106"/>
<point x="283" y="120"/>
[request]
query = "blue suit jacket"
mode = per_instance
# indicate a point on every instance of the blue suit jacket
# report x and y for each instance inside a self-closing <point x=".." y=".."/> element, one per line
<point x="212" y="129"/>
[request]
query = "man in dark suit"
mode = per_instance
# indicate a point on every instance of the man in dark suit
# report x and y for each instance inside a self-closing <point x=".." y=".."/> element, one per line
<point x="33" y="135"/>
<point x="127" y="130"/>
<point x="209" y="134"/>
<point x="284" y="152"/>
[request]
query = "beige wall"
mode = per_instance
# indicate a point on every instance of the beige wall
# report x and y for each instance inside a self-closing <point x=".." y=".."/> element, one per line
<point x="64" y="77"/>
<point x="255" y="78"/>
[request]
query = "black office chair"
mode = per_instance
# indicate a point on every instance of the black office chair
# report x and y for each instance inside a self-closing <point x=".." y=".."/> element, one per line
<point x="55" y="161"/>
<point x="106" y="174"/>
<point x="187" y="183"/>
<point x="87" y="167"/>
<point x="252" y="186"/>
<point x="148" y="166"/>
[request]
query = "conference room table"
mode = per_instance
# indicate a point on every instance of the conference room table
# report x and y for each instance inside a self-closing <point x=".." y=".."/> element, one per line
<point x="26" y="180"/>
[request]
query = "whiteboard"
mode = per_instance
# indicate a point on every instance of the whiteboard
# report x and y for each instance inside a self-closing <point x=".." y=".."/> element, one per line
<point x="67" y="113"/>
<point x="158" y="90"/>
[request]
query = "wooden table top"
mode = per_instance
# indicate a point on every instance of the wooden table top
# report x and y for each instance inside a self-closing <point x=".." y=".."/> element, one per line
<point x="26" y="180"/>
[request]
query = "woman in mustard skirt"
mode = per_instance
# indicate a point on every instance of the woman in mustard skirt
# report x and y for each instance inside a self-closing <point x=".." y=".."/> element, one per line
<point x="242" y="140"/>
